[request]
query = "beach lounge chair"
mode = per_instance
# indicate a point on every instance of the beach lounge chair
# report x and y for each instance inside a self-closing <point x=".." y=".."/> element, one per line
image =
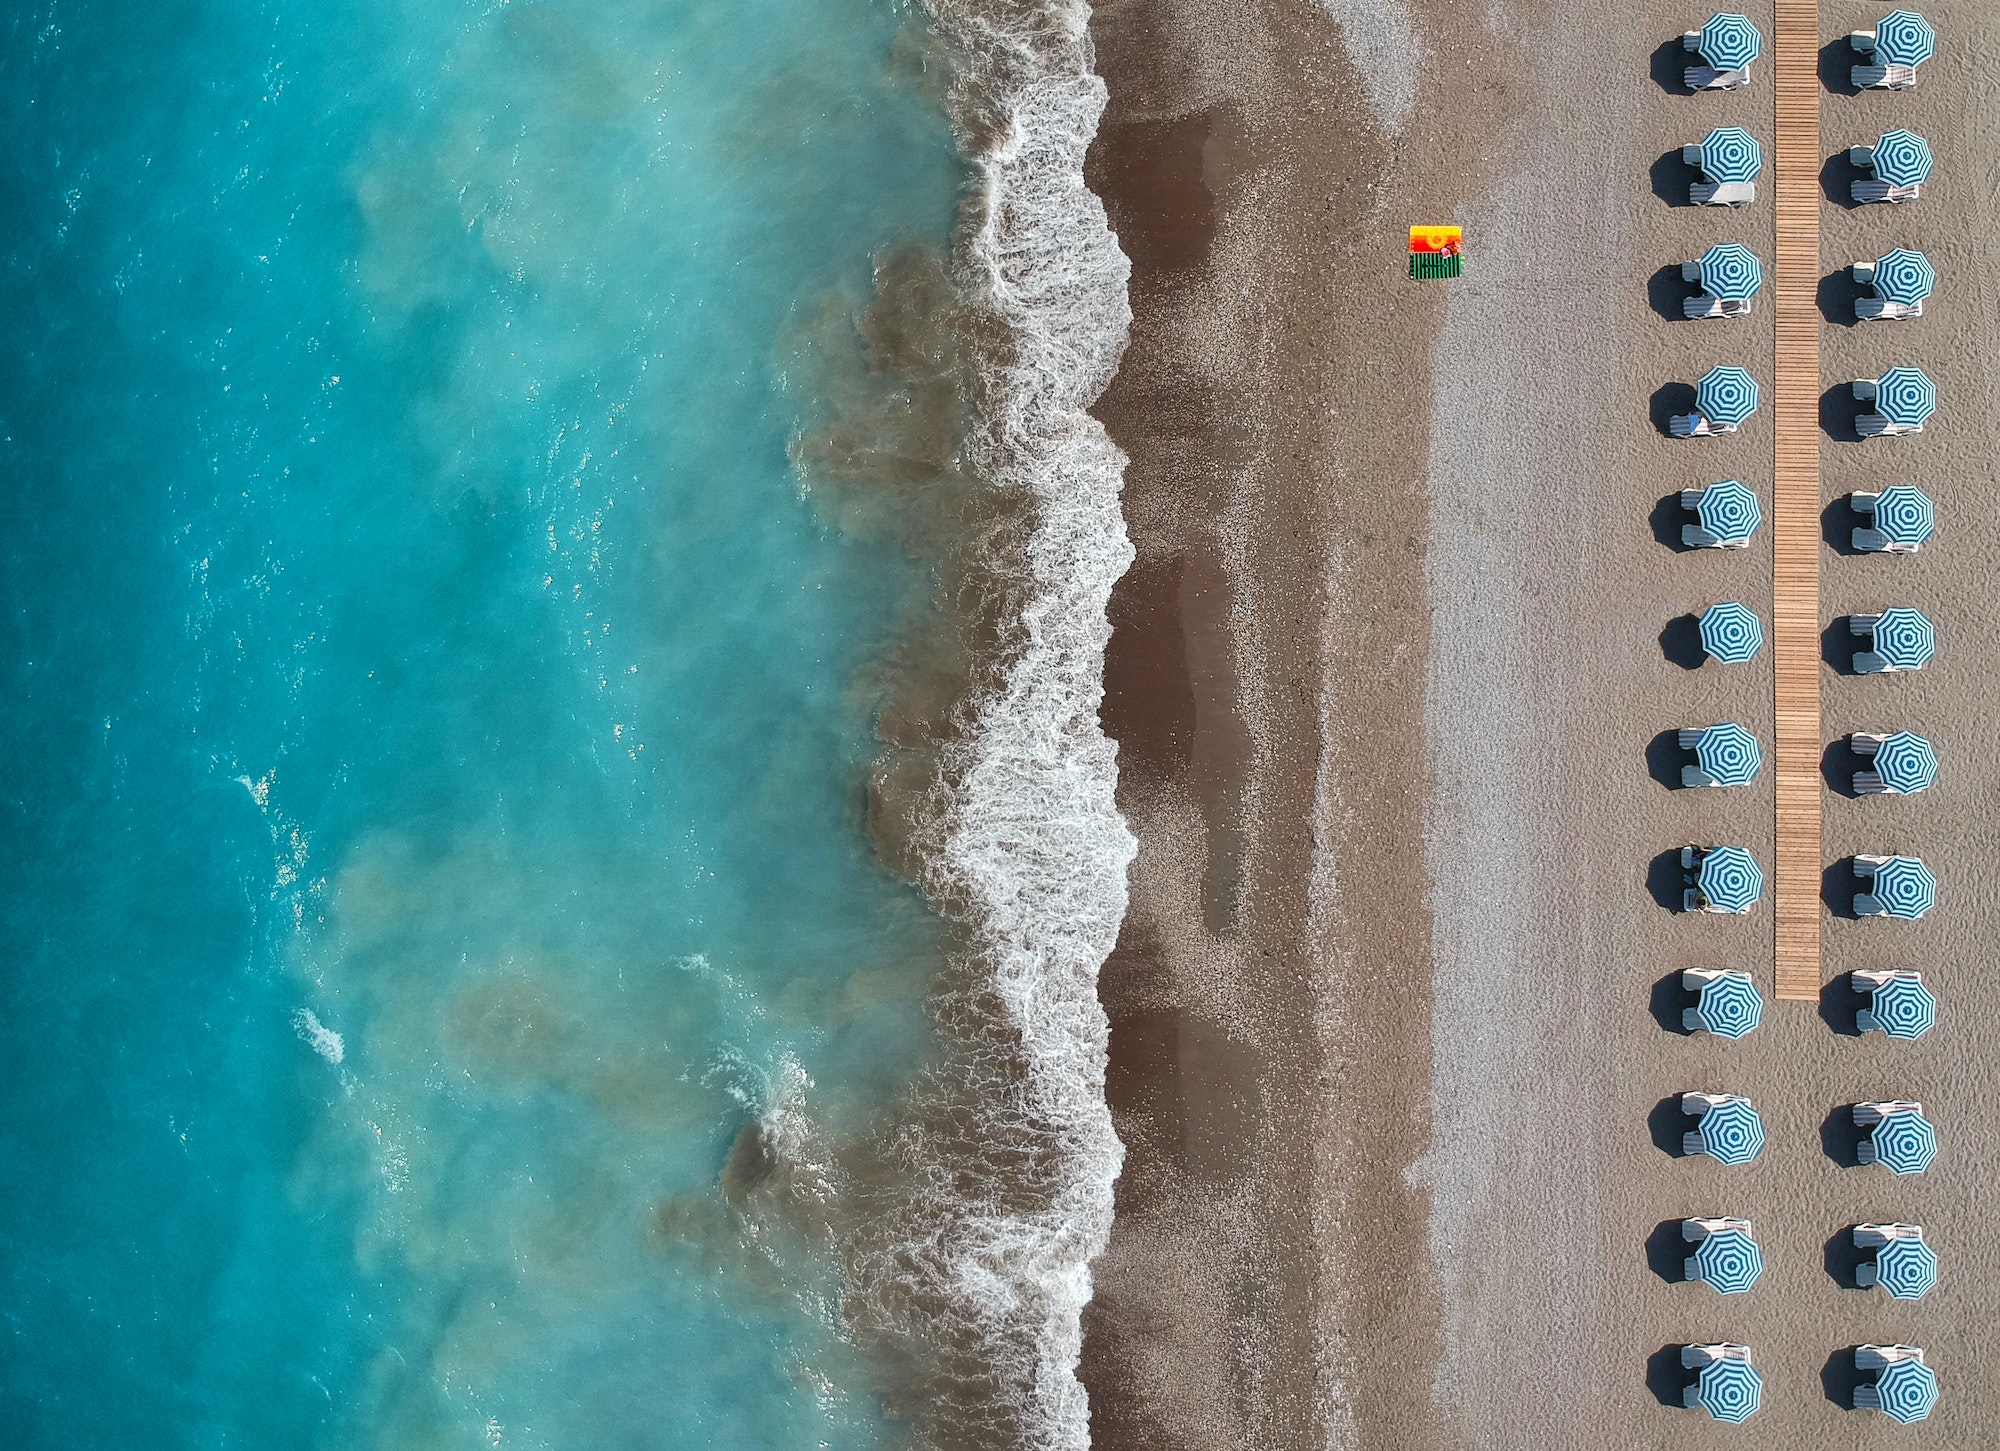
<point x="1727" y="193"/>
<point x="1898" y="886"/>
<point x="1904" y="519"/>
<point x="1883" y="77"/>
<point x="1874" y="1236"/>
<point x="1879" y="309"/>
<point x="1905" y="1389"/>
<point x="1904" y="763"/>
<point x="1727" y="44"/>
<point x="1899" y="1005"/>
<point x="1728" y="1006"/>
<point x="1899" y="639"/>
<point x="1868" y="189"/>
<point x="1702" y="305"/>
<point x="1708" y="78"/>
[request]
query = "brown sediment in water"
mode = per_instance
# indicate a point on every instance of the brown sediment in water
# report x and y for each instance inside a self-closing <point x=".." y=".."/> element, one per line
<point x="1270" y="993"/>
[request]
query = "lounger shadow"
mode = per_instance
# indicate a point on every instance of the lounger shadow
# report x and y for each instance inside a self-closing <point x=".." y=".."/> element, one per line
<point x="1840" y="1137"/>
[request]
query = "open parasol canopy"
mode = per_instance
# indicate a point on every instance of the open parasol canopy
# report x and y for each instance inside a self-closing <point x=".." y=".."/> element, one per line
<point x="1729" y="511"/>
<point x="1729" y="1260"/>
<point x="1725" y="395"/>
<point x="1902" y="158"/>
<point x="1903" y="1008"/>
<point x="1732" y="1133"/>
<point x="1903" y="38"/>
<point x="1905" y="514"/>
<point x="1729" y="753"/>
<point x="1730" y="1390"/>
<point x="1730" y="42"/>
<point x="1731" y="633"/>
<point x="1908" y="1390"/>
<point x="1904" y="276"/>
<point x="1905" y="638"/>
<point x="1905" y="1143"/>
<point x="1906" y="763"/>
<point x="1906" y="1268"/>
<point x="1905" y="887"/>
<point x="1729" y="1006"/>
<point x="1731" y="271"/>
<point x="1730" y="879"/>
<point x="1729" y="153"/>
<point x="1906" y="396"/>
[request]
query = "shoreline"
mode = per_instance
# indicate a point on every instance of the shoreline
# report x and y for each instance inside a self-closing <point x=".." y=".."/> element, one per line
<point x="1269" y="1052"/>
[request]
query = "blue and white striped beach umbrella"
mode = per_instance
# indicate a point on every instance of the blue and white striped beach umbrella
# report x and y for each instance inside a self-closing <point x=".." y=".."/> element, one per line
<point x="1905" y="1143"/>
<point x="1729" y="1260"/>
<point x="1730" y="42"/>
<point x="1904" y="276"/>
<point x="1906" y="396"/>
<point x="1906" y="1268"/>
<point x="1730" y="1005"/>
<point x="1903" y="38"/>
<point x="1903" y="1008"/>
<point x="1729" y="153"/>
<point x="1904" y="638"/>
<point x="1902" y="158"/>
<point x="1730" y="633"/>
<point x="1731" y="271"/>
<point x="1905" y="514"/>
<point x="1730" y="879"/>
<point x="1905" y="887"/>
<point x="1906" y="763"/>
<point x="1908" y="1391"/>
<point x="1732" y="1133"/>
<point x="1725" y="395"/>
<point x="1730" y="1390"/>
<point x="1729" y="511"/>
<point x="1728" y="753"/>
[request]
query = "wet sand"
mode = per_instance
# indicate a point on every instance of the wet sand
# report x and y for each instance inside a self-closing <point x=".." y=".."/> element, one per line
<point x="1389" y="677"/>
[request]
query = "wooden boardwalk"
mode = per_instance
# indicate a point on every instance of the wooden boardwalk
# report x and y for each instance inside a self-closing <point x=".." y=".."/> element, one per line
<point x="1795" y="521"/>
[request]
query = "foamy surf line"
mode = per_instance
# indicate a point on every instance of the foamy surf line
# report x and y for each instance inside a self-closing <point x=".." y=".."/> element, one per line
<point x="1029" y="852"/>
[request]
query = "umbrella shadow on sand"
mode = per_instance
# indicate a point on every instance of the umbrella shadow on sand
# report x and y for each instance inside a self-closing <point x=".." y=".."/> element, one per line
<point x="1838" y="292"/>
<point x="1840" y="1137"/>
<point x="1681" y="643"/>
<point x="1843" y="1257"/>
<point x="1669" y="399"/>
<point x="1666" y="1377"/>
<point x="1668" y="291"/>
<point x="1837" y="178"/>
<point x="1667" y="880"/>
<point x="1837" y="60"/>
<point x="1666" y="1256"/>
<point x="1838" y="765"/>
<point x="1838" y="644"/>
<point x="1840" y="1376"/>
<point x="1667" y="518"/>
<point x="1672" y="177"/>
<point x="1837" y="886"/>
<point x="1668" y="1001"/>
<point x="1837" y="523"/>
<point x="1670" y="64"/>
<point x="1838" y="409"/>
<point x="1666" y="1123"/>
<point x="1839" y="1002"/>
<point x="1664" y="759"/>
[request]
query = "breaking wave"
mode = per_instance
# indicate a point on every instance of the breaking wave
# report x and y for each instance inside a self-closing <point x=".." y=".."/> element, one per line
<point x="980" y="1260"/>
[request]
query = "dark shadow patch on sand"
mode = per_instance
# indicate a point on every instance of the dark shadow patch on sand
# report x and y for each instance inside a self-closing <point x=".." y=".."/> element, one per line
<point x="1837" y="523"/>
<point x="1837" y="60"/>
<point x="1838" y="292"/>
<point x="1837" y="766"/>
<point x="1666" y="1256"/>
<point x="1838" y="645"/>
<point x="1840" y="1137"/>
<point x="1669" y="399"/>
<point x="1837" y="886"/>
<point x="1840" y="1376"/>
<point x="1667" y="518"/>
<point x="1837" y="178"/>
<point x="1668" y="999"/>
<point x="1667" y="882"/>
<point x="1670" y="64"/>
<point x="1838" y="408"/>
<point x="1666" y="1377"/>
<point x="1667" y="290"/>
<point x="1671" y="179"/>
<point x="1666" y="1123"/>
<point x="1680" y="642"/>
<point x="1843" y="1257"/>
<point x="1839" y="1001"/>
<point x="1664" y="759"/>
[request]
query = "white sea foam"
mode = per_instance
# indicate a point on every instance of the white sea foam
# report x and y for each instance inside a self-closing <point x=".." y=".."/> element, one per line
<point x="1028" y="851"/>
<point x="316" y="1035"/>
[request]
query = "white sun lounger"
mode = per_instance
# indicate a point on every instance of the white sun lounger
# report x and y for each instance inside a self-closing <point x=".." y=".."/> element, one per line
<point x="1724" y="193"/>
<point x="1870" y="190"/>
<point x="1694" y="425"/>
<point x="1883" y="77"/>
<point x="1703" y="305"/>
<point x="1874" y="1236"/>
<point x="1872" y="309"/>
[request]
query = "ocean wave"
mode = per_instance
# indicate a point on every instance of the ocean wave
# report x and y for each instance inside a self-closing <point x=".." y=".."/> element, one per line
<point x="986" y="1261"/>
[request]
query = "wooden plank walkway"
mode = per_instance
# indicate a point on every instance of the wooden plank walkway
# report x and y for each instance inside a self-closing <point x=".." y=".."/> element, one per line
<point x="1795" y="522"/>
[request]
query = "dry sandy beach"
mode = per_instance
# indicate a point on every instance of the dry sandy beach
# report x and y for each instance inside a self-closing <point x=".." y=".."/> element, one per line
<point x="1388" y="1041"/>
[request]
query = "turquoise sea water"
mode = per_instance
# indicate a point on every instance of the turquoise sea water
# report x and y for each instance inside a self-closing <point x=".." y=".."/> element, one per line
<point x="433" y="752"/>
